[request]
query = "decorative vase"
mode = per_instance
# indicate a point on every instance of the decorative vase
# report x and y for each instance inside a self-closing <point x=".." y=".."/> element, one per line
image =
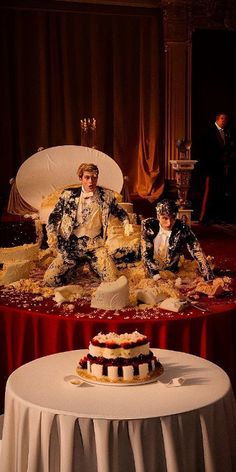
<point x="183" y="167"/>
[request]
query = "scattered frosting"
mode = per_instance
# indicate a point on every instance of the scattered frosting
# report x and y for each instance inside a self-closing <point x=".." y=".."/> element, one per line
<point x="119" y="338"/>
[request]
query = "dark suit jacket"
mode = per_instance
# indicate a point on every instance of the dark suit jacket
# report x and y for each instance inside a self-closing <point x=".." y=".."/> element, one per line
<point x="217" y="169"/>
<point x="216" y="153"/>
<point x="63" y="218"/>
<point x="181" y="237"/>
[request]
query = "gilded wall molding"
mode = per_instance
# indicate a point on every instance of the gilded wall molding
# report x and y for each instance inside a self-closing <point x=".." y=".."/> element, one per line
<point x="178" y="60"/>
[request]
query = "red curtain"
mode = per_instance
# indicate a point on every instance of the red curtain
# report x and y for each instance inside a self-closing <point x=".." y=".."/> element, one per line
<point x="59" y="66"/>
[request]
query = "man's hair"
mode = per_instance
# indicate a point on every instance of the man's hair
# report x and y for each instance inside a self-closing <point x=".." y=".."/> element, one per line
<point x="167" y="207"/>
<point x="87" y="168"/>
<point x="222" y="113"/>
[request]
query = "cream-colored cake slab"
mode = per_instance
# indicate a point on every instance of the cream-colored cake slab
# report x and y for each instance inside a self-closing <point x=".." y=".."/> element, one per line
<point x="111" y="295"/>
<point x="19" y="253"/>
<point x="15" y="271"/>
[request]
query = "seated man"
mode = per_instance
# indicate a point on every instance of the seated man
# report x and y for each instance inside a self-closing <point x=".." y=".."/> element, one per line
<point x="77" y="227"/>
<point x="164" y="240"/>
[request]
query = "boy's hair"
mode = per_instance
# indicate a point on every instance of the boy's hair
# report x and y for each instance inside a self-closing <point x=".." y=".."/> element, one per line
<point x="167" y="207"/>
<point x="84" y="167"/>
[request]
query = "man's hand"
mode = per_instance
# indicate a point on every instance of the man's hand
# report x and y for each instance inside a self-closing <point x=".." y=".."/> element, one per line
<point x="128" y="229"/>
<point x="156" y="277"/>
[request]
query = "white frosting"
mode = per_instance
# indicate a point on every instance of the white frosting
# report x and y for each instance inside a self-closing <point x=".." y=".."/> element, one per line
<point x="96" y="370"/>
<point x="146" y="296"/>
<point x="67" y="293"/>
<point x="112" y="372"/>
<point x="107" y="353"/>
<point x="172" y="304"/>
<point x="143" y="370"/>
<point x="120" y="338"/>
<point x="112" y="295"/>
<point x="128" y="371"/>
<point x="149" y="296"/>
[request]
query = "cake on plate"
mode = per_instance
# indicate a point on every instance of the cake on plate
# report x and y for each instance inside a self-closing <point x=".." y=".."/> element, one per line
<point x="120" y="358"/>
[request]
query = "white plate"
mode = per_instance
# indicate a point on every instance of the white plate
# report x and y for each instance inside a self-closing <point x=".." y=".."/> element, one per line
<point x="56" y="167"/>
<point x="118" y="384"/>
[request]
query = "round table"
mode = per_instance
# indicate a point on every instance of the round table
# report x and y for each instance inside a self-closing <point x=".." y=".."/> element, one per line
<point x="55" y="426"/>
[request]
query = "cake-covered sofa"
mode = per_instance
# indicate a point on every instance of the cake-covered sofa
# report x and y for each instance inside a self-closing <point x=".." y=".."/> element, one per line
<point x="35" y="191"/>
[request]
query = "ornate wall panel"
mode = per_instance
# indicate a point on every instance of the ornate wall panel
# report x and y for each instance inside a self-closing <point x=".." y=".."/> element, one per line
<point x="177" y="81"/>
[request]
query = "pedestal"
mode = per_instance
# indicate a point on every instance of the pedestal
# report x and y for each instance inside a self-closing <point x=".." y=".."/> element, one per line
<point x="185" y="215"/>
<point x="183" y="169"/>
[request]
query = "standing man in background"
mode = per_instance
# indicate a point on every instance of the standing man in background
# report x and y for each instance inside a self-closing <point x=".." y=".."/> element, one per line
<point x="218" y="163"/>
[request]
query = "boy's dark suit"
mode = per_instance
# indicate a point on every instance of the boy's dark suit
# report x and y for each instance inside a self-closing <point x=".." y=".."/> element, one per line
<point x="181" y="238"/>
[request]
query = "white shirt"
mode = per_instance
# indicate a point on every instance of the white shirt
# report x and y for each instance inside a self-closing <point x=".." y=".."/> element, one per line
<point x="161" y="243"/>
<point x="221" y="130"/>
<point x="89" y="217"/>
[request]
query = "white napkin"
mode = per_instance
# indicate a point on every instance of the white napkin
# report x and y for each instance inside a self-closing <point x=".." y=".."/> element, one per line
<point x="74" y="380"/>
<point x="175" y="382"/>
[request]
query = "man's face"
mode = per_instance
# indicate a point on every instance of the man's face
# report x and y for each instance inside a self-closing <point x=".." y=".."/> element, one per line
<point x="89" y="181"/>
<point x="167" y="222"/>
<point x="222" y="120"/>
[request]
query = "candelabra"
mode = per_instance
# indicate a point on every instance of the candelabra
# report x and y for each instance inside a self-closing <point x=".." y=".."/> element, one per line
<point x="88" y="128"/>
<point x="183" y="167"/>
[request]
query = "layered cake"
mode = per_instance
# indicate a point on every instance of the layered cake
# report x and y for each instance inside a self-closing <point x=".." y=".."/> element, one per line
<point x="120" y="358"/>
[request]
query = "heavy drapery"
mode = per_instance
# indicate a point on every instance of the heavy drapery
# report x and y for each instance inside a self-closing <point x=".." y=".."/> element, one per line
<point x="59" y="66"/>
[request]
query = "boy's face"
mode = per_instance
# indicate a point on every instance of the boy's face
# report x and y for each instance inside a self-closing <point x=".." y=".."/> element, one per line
<point x="89" y="181"/>
<point x="167" y="222"/>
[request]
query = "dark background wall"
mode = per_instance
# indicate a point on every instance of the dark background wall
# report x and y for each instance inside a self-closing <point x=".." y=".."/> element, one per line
<point x="213" y="77"/>
<point x="213" y="90"/>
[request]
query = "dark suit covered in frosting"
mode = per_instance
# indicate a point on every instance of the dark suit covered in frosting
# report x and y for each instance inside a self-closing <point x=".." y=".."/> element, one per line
<point x="76" y="239"/>
<point x="181" y="238"/>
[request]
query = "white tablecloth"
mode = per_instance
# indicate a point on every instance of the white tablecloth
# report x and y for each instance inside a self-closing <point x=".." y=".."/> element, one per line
<point x="51" y="425"/>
